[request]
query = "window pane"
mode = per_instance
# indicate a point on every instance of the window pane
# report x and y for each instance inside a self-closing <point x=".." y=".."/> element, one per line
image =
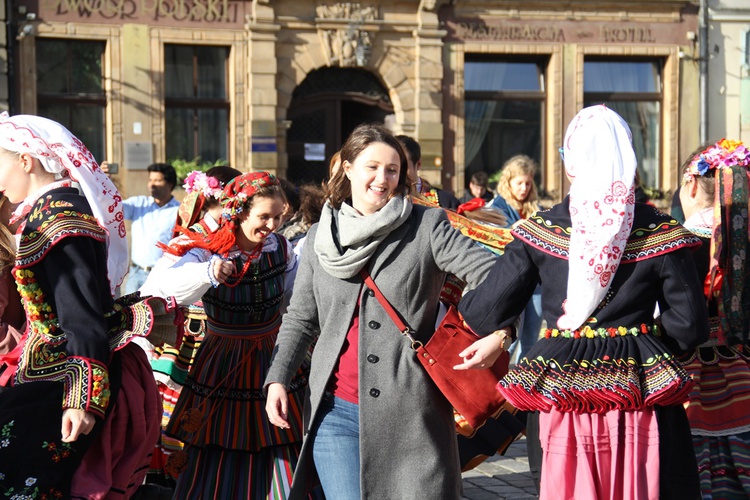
<point x="489" y="76"/>
<point x="180" y="134"/>
<point x="195" y="71"/>
<point x="497" y="130"/>
<point x="621" y="76"/>
<point x="85" y="122"/>
<point x="86" y="77"/>
<point x="643" y="118"/>
<point x="178" y="71"/>
<point x="199" y="126"/>
<point x="52" y="66"/>
<point x="69" y="67"/>
<point x="213" y="134"/>
<point x="212" y="72"/>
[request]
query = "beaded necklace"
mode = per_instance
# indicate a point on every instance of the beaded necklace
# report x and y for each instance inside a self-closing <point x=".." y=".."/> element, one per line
<point x="249" y="256"/>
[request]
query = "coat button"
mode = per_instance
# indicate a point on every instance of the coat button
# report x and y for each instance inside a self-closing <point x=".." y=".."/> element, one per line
<point x="370" y="293"/>
<point x="374" y="325"/>
<point x="372" y="358"/>
<point x="374" y="393"/>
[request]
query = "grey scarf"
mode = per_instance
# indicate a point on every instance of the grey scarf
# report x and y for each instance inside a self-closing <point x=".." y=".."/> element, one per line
<point x="346" y="240"/>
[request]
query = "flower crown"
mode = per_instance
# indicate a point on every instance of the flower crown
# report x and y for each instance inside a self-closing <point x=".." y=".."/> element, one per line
<point x="723" y="154"/>
<point x="210" y="187"/>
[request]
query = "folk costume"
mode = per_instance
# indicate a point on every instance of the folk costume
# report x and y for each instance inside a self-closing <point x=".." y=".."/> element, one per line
<point x="231" y="450"/>
<point x="76" y="348"/>
<point x="532" y="315"/>
<point x="606" y="386"/>
<point x="171" y="364"/>
<point x="719" y="402"/>
<point x="436" y="196"/>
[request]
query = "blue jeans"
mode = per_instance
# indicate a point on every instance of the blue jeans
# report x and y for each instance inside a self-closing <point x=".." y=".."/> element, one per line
<point x="335" y="448"/>
<point x="136" y="278"/>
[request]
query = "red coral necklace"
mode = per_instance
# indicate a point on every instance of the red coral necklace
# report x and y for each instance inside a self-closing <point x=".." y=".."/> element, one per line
<point x="255" y="252"/>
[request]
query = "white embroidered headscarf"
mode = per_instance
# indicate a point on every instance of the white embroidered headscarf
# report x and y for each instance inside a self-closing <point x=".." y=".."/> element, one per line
<point x="600" y="161"/>
<point x="60" y="152"/>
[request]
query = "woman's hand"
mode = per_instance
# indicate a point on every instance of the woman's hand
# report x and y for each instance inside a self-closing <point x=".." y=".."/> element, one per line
<point x="76" y="422"/>
<point x="276" y="405"/>
<point x="483" y="353"/>
<point x="222" y="270"/>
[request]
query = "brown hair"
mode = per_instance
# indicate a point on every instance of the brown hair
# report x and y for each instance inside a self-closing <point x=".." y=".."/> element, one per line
<point x="487" y="215"/>
<point x="339" y="188"/>
<point x="312" y="199"/>
<point x="515" y="166"/>
<point x="706" y="182"/>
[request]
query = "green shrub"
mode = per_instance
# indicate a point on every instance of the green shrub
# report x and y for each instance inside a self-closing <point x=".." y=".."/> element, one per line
<point x="183" y="167"/>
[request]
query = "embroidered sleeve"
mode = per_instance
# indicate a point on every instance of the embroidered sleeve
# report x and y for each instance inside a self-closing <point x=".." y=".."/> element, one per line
<point x="72" y="279"/>
<point x="86" y="385"/>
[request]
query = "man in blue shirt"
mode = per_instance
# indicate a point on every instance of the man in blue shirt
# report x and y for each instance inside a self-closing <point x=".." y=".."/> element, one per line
<point x="153" y="219"/>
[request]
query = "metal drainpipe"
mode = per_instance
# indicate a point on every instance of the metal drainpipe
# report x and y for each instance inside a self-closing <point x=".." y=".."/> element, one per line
<point x="10" y="38"/>
<point x="703" y="81"/>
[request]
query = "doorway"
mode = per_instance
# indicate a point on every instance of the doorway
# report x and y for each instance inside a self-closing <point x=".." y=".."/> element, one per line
<point x="325" y="108"/>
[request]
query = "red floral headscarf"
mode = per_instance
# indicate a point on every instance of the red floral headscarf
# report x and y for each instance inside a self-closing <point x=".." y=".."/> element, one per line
<point x="234" y="200"/>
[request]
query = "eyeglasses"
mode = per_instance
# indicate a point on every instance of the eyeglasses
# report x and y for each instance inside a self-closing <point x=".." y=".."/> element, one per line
<point x="561" y="150"/>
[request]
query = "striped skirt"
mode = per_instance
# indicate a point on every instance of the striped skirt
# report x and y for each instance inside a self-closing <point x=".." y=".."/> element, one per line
<point x="719" y="414"/>
<point x="220" y="416"/>
<point x="216" y="473"/>
<point x="171" y="367"/>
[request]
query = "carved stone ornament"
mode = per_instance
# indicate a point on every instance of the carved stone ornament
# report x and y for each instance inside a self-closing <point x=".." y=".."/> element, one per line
<point x="347" y="46"/>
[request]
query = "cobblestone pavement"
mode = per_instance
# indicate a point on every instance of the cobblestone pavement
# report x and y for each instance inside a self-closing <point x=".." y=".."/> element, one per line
<point x="501" y="477"/>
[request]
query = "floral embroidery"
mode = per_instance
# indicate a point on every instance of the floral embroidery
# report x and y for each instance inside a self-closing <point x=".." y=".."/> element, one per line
<point x="5" y="434"/>
<point x="100" y="389"/>
<point x="590" y="333"/>
<point x="86" y="380"/>
<point x="234" y="197"/>
<point x="26" y="494"/>
<point x="59" y="452"/>
<point x="42" y="321"/>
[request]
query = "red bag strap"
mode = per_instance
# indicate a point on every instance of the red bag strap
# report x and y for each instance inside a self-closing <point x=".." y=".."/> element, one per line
<point x="405" y="330"/>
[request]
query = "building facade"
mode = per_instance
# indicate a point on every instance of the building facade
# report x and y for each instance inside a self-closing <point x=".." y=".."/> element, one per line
<point x="279" y="84"/>
<point x="728" y="86"/>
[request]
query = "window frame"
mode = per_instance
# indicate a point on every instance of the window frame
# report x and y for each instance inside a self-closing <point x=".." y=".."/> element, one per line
<point x="542" y="62"/>
<point x="200" y="103"/>
<point x="659" y="63"/>
<point x="71" y="99"/>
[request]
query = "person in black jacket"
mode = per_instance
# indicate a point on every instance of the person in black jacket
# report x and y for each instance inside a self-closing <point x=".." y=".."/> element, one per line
<point x="83" y="413"/>
<point x="603" y="382"/>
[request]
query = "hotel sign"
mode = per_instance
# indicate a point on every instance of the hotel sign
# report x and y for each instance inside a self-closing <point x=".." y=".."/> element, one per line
<point x="569" y="32"/>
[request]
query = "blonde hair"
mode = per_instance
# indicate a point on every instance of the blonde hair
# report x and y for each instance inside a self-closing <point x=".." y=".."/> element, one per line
<point x="515" y="166"/>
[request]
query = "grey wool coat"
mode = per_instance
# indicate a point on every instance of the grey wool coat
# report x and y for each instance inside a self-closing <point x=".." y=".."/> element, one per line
<point x="407" y="433"/>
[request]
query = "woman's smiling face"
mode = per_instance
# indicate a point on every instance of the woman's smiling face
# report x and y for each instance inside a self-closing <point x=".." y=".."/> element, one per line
<point x="373" y="176"/>
<point x="263" y="218"/>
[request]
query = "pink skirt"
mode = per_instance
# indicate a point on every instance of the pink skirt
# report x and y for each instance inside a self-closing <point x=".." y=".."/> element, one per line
<point x="117" y="462"/>
<point x="612" y="455"/>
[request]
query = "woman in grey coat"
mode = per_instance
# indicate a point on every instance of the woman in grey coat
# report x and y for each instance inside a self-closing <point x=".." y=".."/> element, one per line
<point x="375" y="425"/>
